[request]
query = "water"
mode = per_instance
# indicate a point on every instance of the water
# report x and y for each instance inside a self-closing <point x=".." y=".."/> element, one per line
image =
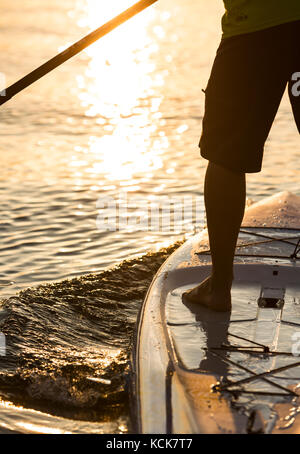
<point x="120" y="120"/>
<point x="67" y="350"/>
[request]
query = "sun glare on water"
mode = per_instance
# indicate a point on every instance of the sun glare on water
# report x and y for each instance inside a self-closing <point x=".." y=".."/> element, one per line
<point x="118" y="90"/>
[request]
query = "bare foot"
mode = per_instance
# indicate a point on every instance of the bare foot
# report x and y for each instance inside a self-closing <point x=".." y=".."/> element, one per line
<point x="217" y="299"/>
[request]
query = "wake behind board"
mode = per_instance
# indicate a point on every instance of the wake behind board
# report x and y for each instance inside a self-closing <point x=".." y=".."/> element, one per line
<point x="198" y="371"/>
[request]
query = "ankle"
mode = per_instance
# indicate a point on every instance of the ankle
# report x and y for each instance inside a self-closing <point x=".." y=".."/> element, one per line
<point x="221" y="282"/>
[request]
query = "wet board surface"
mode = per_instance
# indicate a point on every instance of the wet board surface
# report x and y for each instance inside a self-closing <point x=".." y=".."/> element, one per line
<point x="220" y="363"/>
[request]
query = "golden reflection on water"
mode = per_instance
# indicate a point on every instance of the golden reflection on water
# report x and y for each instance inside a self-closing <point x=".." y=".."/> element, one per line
<point x="34" y="428"/>
<point x="118" y="90"/>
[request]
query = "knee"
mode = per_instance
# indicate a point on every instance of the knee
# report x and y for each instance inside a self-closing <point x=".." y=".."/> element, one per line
<point x="221" y="171"/>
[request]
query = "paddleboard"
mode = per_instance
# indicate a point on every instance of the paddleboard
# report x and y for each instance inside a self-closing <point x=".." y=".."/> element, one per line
<point x="196" y="371"/>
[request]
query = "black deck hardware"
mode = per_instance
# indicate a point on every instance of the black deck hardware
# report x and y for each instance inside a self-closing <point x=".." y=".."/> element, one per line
<point x="225" y="386"/>
<point x="219" y="387"/>
<point x="264" y="347"/>
<point x="294" y="255"/>
<point x="269" y="239"/>
<point x="242" y="349"/>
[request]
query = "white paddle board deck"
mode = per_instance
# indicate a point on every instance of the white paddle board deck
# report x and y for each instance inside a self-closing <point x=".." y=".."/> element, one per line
<point x="198" y="371"/>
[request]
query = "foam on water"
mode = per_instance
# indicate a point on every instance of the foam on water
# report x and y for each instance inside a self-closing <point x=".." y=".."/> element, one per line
<point x="67" y="347"/>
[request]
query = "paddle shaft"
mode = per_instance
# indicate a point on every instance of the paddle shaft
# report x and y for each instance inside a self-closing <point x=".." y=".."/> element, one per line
<point x="68" y="53"/>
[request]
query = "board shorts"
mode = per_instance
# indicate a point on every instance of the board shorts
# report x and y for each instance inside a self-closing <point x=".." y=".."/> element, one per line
<point x="247" y="82"/>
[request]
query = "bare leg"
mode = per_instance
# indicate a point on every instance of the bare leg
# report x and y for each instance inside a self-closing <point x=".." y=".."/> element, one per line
<point x="224" y="194"/>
